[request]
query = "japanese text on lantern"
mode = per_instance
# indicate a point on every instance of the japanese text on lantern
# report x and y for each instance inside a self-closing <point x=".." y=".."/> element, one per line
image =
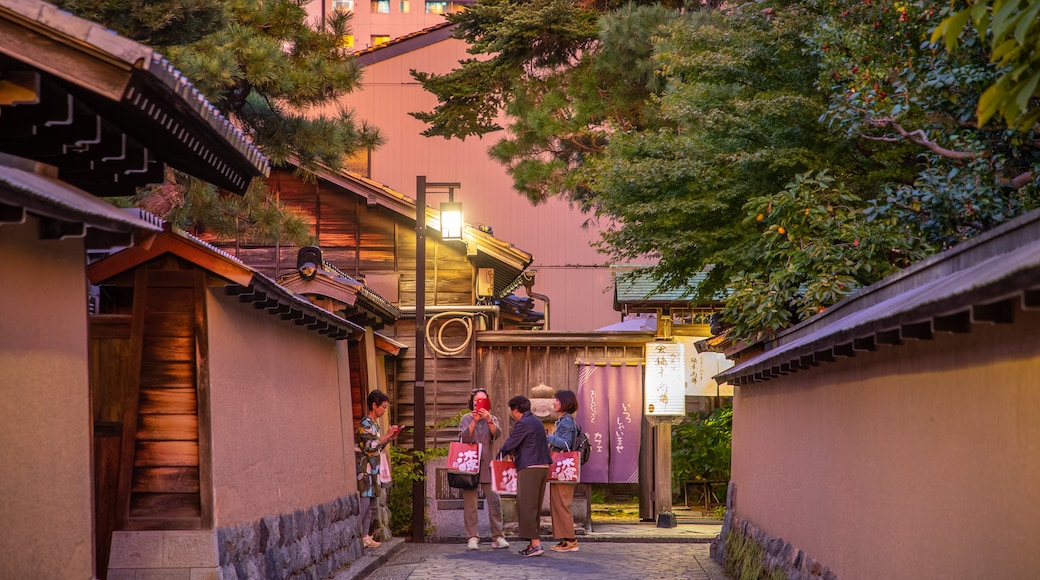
<point x="665" y="379"/>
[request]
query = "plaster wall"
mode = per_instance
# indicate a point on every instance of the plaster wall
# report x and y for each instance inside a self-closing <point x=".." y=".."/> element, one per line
<point x="574" y="276"/>
<point x="915" y="461"/>
<point x="280" y="403"/>
<point x="45" y="458"/>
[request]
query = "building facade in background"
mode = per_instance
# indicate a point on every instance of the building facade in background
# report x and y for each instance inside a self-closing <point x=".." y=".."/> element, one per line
<point x="570" y="273"/>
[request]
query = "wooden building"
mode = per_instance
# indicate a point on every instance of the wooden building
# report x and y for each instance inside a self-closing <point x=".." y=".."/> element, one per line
<point x="372" y="359"/>
<point x="222" y="406"/>
<point x="366" y="231"/>
<point x="897" y="434"/>
<point x="84" y="114"/>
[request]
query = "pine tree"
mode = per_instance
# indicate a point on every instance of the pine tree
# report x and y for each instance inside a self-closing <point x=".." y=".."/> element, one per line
<point x="262" y="64"/>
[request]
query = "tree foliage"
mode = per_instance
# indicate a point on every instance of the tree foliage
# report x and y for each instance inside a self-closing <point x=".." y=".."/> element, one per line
<point x="737" y="121"/>
<point x="679" y="128"/>
<point x="265" y="67"/>
<point x="153" y="22"/>
<point x="565" y="77"/>
<point x="814" y="248"/>
<point x="890" y="85"/>
<point x="1012" y="31"/>
<point x="268" y="67"/>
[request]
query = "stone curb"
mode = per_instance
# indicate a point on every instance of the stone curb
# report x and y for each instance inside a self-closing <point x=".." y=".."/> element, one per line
<point x="620" y="538"/>
<point x="371" y="559"/>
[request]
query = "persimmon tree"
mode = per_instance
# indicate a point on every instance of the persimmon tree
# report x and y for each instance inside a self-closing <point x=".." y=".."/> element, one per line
<point x="898" y="93"/>
<point x="676" y="131"/>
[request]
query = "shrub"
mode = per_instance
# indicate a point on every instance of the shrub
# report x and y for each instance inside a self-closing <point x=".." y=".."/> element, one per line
<point x="406" y="467"/>
<point x="701" y="447"/>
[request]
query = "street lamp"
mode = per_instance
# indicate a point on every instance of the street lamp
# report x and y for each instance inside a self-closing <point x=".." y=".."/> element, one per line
<point x="451" y="223"/>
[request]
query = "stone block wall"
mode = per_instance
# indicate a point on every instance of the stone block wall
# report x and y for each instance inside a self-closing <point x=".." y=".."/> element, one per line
<point x="746" y="551"/>
<point x="310" y="544"/>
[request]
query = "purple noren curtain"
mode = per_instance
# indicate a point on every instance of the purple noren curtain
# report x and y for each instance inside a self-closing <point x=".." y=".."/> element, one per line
<point x="610" y="399"/>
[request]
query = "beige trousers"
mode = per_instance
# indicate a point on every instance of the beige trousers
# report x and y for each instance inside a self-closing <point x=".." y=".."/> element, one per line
<point x="471" y="517"/>
<point x="560" y="497"/>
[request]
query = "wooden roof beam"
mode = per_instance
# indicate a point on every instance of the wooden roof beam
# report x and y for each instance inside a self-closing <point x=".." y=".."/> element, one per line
<point x="1000" y="312"/>
<point x="917" y="330"/>
<point x="959" y="322"/>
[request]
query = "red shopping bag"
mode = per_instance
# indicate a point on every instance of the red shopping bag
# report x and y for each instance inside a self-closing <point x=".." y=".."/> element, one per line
<point x="503" y="476"/>
<point x="565" y="467"/>
<point x="463" y="458"/>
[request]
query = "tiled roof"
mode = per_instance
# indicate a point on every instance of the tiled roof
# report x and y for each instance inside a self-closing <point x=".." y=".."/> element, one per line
<point x="25" y="191"/>
<point x="634" y="287"/>
<point x="245" y="283"/>
<point x="405" y="44"/>
<point x="488" y="247"/>
<point x="124" y="94"/>
<point x="979" y="281"/>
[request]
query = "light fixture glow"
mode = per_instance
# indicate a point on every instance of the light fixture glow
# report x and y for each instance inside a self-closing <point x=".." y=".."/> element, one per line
<point x="451" y="221"/>
<point x="665" y="385"/>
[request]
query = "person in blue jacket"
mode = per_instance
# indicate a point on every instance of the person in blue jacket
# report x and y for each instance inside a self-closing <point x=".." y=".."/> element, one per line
<point x="530" y="450"/>
<point x="562" y="494"/>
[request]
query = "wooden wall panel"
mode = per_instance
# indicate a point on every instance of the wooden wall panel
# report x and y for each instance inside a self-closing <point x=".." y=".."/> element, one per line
<point x="168" y="323"/>
<point x="358" y="390"/>
<point x="561" y="369"/>
<point x="168" y="427"/>
<point x="167" y="480"/>
<point x="171" y="375"/>
<point x="175" y="401"/>
<point x="335" y="239"/>
<point x="264" y="259"/>
<point x="343" y="258"/>
<point x="377" y="260"/>
<point x="111" y="370"/>
<point x="166" y="508"/>
<point x="169" y="349"/>
<point x="167" y="454"/>
<point x="170" y="299"/>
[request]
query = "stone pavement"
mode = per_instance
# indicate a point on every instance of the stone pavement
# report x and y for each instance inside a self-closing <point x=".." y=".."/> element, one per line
<point x="615" y="551"/>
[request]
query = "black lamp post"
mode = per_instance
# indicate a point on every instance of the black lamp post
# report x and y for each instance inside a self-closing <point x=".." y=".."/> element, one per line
<point x="419" y="420"/>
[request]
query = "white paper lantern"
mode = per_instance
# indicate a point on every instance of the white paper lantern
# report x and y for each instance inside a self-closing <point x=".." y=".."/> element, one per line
<point x="665" y="384"/>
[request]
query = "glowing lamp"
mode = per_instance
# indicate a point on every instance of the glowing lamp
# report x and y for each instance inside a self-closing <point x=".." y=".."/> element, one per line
<point x="664" y="391"/>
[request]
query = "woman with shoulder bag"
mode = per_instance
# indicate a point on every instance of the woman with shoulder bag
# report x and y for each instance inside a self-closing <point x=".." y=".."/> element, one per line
<point x="562" y="494"/>
<point x="480" y="426"/>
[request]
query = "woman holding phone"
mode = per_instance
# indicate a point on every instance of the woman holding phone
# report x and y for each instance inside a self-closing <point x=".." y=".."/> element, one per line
<point x="480" y="426"/>
<point x="370" y="442"/>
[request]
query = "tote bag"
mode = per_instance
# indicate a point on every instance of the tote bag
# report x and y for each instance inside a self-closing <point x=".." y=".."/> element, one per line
<point x="463" y="480"/>
<point x="503" y="476"/>
<point x="464" y="457"/>
<point x="565" y="467"/>
<point x="384" y="468"/>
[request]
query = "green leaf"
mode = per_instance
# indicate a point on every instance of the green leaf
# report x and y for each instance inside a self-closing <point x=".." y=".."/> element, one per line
<point x="1025" y="22"/>
<point x="951" y="28"/>
<point x="1003" y="17"/>
<point x="989" y="103"/>
<point x="1025" y="91"/>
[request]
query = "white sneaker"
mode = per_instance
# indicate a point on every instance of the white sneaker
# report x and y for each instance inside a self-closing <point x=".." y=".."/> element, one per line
<point x="473" y="544"/>
<point x="499" y="543"/>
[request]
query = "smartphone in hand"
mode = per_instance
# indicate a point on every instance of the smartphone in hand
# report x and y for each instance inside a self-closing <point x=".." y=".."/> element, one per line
<point x="479" y="404"/>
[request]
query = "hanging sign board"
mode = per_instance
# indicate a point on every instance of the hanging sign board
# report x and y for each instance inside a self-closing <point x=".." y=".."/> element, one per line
<point x="665" y="384"/>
